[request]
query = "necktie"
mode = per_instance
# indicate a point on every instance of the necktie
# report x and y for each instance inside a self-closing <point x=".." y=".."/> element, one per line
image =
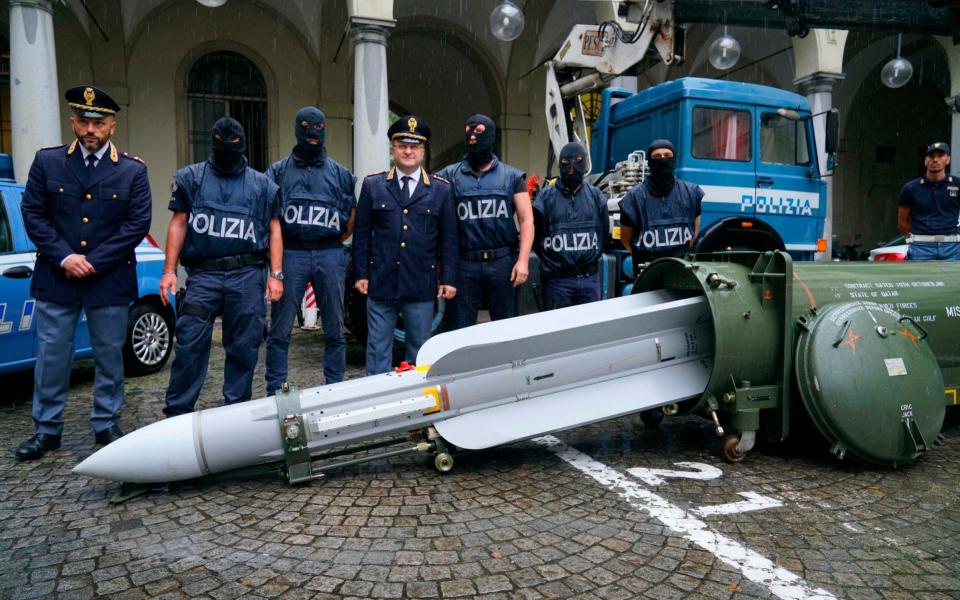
<point x="405" y="185"/>
<point x="91" y="158"/>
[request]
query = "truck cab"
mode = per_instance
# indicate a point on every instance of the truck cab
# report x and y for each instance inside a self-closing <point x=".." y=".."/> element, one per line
<point x="750" y="147"/>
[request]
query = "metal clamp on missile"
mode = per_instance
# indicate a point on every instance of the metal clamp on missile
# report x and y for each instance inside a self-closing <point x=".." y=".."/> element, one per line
<point x="296" y="453"/>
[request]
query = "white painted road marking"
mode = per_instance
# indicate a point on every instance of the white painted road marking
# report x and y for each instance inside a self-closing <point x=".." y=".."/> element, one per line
<point x="754" y="501"/>
<point x="655" y="476"/>
<point x="755" y="567"/>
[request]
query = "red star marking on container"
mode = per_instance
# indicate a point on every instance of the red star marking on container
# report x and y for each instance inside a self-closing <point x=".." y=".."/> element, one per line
<point x="910" y="336"/>
<point x="851" y="339"/>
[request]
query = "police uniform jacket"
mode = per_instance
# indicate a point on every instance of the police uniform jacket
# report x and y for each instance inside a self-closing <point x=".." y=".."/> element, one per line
<point x="571" y="229"/>
<point x="405" y="246"/>
<point x="104" y="216"/>
<point x="316" y="200"/>
<point x="934" y="205"/>
<point x="662" y="226"/>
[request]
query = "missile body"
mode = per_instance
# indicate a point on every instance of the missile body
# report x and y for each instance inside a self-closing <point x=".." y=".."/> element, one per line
<point x="481" y="386"/>
<point x="873" y="349"/>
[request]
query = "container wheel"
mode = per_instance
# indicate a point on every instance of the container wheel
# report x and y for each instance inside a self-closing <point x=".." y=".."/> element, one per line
<point x="443" y="461"/>
<point x="730" y="449"/>
<point x="652" y="418"/>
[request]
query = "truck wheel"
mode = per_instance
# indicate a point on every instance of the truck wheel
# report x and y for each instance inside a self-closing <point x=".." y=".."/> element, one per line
<point x="652" y="418"/>
<point x="443" y="461"/>
<point x="149" y="339"/>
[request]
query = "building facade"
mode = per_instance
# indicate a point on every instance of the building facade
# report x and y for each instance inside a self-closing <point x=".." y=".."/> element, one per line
<point x="178" y="65"/>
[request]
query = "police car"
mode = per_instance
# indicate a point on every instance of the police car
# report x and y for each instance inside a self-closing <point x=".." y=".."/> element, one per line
<point x="150" y="326"/>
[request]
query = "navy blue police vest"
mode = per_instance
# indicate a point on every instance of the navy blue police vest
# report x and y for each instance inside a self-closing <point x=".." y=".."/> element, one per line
<point x="666" y="225"/>
<point x="485" y="205"/>
<point x="573" y="229"/>
<point x="228" y="215"/>
<point x="316" y="199"/>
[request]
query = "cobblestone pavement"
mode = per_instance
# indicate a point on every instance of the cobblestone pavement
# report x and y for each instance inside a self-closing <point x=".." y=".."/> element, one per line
<point x="516" y="522"/>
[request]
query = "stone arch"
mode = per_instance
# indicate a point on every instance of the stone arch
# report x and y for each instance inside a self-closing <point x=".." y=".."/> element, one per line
<point x="458" y="93"/>
<point x="884" y="132"/>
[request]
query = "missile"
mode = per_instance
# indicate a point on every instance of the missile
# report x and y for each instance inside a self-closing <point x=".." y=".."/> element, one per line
<point x="478" y="387"/>
<point x="871" y="352"/>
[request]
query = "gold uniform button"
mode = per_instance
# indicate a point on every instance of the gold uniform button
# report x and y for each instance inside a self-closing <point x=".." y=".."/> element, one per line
<point x="60" y="190"/>
<point x="403" y="244"/>
<point x="405" y="228"/>
<point x="86" y="220"/>
<point x="88" y="197"/>
<point x="83" y="243"/>
<point x="398" y="263"/>
<point x="115" y="197"/>
<point x="406" y="210"/>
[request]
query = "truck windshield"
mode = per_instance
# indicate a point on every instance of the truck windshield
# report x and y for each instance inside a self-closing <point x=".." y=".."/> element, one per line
<point x="721" y="134"/>
<point x="783" y="141"/>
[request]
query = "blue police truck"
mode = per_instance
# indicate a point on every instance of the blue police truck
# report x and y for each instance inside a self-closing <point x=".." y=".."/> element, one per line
<point x="750" y="147"/>
<point x="150" y="326"/>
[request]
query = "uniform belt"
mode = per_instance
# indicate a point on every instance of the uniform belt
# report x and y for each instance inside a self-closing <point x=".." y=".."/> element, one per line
<point x="484" y="255"/>
<point x="946" y="238"/>
<point x="226" y="263"/>
<point x="575" y="271"/>
<point x="321" y="244"/>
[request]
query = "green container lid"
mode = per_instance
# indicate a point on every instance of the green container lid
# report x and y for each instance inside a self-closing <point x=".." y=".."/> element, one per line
<point x="870" y="383"/>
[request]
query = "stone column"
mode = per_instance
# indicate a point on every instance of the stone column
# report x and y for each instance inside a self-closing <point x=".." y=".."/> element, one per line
<point x="818" y="88"/>
<point x="818" y="61"/>
<point x="371" y="152"/>
<point x="953" y="102"/>
<point x="34" y="94"/>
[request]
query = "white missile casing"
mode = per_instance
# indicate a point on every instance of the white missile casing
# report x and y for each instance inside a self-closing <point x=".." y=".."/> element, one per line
<point x="481" y="386"/>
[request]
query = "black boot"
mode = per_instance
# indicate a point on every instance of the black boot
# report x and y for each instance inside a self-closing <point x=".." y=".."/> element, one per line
<point x="109" y="435"/>
<point x="37" y="446"/>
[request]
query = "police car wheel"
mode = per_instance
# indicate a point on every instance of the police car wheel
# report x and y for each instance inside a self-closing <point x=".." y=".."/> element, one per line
<point x="149" y="339"/>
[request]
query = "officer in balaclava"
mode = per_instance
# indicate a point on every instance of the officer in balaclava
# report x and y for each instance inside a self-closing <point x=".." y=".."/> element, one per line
<point x="571" y="223"/>
<point x="491" y="197"/>
<point x="317" y="214"/>
<point x="661" y="216"/>
<point x="225" y="231"/>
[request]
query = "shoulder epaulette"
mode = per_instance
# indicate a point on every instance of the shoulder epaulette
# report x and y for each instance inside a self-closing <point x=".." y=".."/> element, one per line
<point x="136" y="158"/>
<point x="58" y="146"/>
<point x="438" y="178"/>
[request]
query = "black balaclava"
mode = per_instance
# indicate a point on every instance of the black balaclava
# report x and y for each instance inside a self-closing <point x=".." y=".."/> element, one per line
<point x="480" y="152"/>
<point x="304" y="151"/>
<point x="661" y="178"/>
<point x="228" y="158"/>
<point x="573" y="166"/>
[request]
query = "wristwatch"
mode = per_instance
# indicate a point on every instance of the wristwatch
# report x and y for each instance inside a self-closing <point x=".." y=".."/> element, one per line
<point x="278" y="275"/>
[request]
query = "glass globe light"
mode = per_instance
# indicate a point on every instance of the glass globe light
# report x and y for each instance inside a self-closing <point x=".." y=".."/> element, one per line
<point x="724" y="52"/>
<point x="898" y="71"/>
<point x="506" y="21"/>
<point x="212" y="3"/>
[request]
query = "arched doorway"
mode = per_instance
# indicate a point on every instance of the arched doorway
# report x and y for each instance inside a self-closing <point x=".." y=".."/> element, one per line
<point x="225" y="83"/>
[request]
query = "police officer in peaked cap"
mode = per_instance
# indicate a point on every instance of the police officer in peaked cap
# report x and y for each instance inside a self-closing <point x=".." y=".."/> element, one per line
<point x="225" y="230"/>
<point x="929" y="208"/>
<point x="87" y="207"/>
<point x="317" y="213"/>
<point x="660" y="217"/>
<point x="571" y="224"/>
<point x="404" y="245"/>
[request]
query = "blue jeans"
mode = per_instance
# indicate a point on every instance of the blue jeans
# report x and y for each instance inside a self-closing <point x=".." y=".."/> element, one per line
<point x="485" y="282"/>
<point x="56" y="330"/>
<point x="326" y="271"/>
<point x="239" y="296"/>
<point x="571" y="291"/>
<point x="933" y="251"/>
<point x="382" y="320"/>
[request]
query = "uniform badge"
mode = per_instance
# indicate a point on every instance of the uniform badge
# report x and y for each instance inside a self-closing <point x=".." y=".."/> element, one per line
<point x="952" y="190"/>
<point x="412" y="124"/>
<point x="89" y="95"/>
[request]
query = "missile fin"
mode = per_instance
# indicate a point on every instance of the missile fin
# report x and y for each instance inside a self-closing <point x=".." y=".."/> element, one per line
<point x="576" y="407"/>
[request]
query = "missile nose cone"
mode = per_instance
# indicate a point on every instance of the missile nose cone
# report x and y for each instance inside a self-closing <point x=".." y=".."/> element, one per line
<point x="160" y="452"/>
